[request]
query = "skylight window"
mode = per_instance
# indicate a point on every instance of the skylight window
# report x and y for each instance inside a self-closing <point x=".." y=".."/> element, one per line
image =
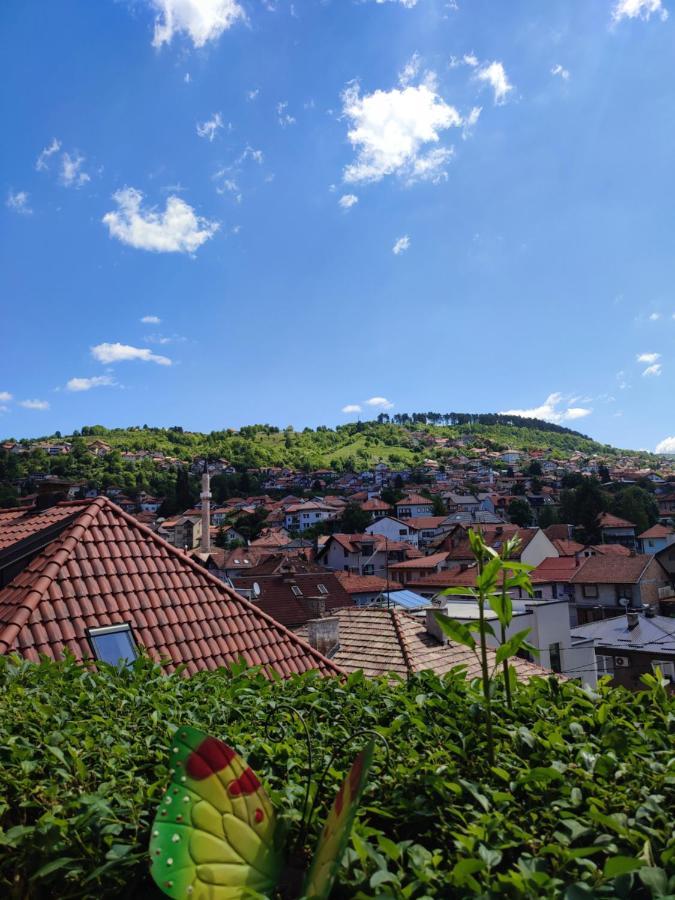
<point x="114" y="644"/>
<point x="296" y="590"/>
<point x="322" y="588"/>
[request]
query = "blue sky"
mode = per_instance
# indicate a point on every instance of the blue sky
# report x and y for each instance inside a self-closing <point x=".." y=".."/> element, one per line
<point x="428" y="205"/>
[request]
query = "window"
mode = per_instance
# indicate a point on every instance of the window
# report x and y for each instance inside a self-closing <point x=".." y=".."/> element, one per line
<point x="113" y="644"/>
<point x="554" y="657"/>
<point x="538" y="595"/>
<point x="296" y="590"/>
<point x="605" y="664"/>
<point x="369" y="570"/>
<point x="403" y="531"/>
<point x="624" y="590"/>
<point x="590" y="590"/>
<point x="322" y="588"/>
<point x="667" y="667"/>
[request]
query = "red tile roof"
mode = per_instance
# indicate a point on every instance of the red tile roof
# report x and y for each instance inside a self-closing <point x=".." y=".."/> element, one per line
<point x="614" y="569"/>
<point x="361" y="584"/>
<point x="558" y="569"/>
<point x="657" y="531"/>
<point x="607" y="520"/>
<point x="375" y="505"/>
<point x="414" y="500"/>
<point x="423" y="562"/>
<point x="105" y="568"/>
<point x="18" y="524"/>
<point x="426" y="523"/>
<point x="278" y="600"/>
<point x="566" y="547"/>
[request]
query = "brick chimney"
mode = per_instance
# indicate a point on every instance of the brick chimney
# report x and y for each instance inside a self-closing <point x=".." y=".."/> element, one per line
<point x="315" y="605"/>
<point x="324" y="634"/>
<point x="205" y="496"/>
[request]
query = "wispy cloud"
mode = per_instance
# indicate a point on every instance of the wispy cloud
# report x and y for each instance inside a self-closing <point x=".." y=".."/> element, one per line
<point x="41" y="163"/>
<point x="283" y="116"/>
<point x="494" y="75"/>
<point x="352" y="408"/>
<point x="18" y="202"/>
<point x="401" y="245"/>
<point x="114" y="353"/>
<point x="209" y="128"/>
<point x="72" y="174"/>
<point x="40" y="405"/>
<point x="175" y="230"/>
<point x="151" y="320"/>
<point x="652" y="371"/>
<point x="553" y="409"/>
<point x="346" y="201"/>
<point x="201" y="20"/>
<point x="86" y="384"/>
<point x="560" y="72"/>
<point x="648" y="357"/>
<point x="379" y="403"/>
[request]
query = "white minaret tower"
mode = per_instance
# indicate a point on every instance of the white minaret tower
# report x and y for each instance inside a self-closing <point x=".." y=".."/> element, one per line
<point x="205" y="496"/>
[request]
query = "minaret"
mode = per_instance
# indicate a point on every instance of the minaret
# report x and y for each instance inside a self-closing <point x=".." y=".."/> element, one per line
<point x="205" y="496"/>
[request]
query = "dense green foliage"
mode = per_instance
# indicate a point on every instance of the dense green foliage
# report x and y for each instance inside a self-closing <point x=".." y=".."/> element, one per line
<point x="579" y="802"/>
<point x="581" y="505"/>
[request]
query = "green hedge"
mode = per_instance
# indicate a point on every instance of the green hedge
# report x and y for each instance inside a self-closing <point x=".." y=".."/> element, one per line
<point x="580" y="802"/>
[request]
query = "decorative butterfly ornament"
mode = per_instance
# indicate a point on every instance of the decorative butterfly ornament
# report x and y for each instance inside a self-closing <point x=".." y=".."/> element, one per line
<point x="215" y="835"/>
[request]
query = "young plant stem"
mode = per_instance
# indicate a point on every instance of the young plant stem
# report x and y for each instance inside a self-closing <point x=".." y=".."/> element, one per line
<point x="485" y="669"/>
<point x="505" y="664"/>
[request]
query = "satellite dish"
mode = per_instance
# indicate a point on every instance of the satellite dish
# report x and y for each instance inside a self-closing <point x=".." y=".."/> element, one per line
<point x="624" y="601"/>
<point x="256" y="589"/>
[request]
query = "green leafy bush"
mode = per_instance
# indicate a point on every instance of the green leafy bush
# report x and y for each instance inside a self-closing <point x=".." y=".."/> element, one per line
<point x="578" y="804"/>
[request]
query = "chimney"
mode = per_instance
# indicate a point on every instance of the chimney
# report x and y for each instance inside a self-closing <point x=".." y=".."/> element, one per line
<point x="324" y="635"/>
<point x="633" y="618"/>
<point x="205" y="543"/>
<point x="316" y="606"/>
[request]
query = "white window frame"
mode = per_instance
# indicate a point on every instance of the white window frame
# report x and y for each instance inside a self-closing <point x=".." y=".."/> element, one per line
<point x="605" y="664"/>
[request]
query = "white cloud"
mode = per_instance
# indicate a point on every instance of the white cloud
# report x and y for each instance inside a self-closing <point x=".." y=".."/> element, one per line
<point x="351" y="408"/>
<point x="5" y="396"/>
<point x="41" y="162"/>
<point x="470" y="121"/>
<point x="667" y="445"/>
<point x="561" y="72"/>
<point x="176" y="230"/>
<point x="652" y="371"/>
<point x="34" y="404"/>
<point x="346" y="201"/>
<point x="114" y="353"/>
<point x="638" y="9"/>
<point x="71" y="171"/>
<point x="551" y="411"/>
<point x="389" y="130"/>
<point x="379" y="402"/>
<point x="283" y="116"/>
<point x="202" y="20"/>
<point x="209" y="128"/>
<point x="408" y="4"/>
<point x="401" y="245"/>
<point x="253" y="95"/>
<point x="494" y="75"/>
<point x="86" y="384"/>
<point x="654" y="317"/>
<point x="151" y="320"/>
<point x="410" y="70"/>
<point x="648" y="357"/>
<point x="18" y="201"/>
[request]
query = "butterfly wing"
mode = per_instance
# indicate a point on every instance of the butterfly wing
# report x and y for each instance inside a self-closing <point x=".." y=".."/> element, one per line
<point x="333" y="841"/>
<point x="213" y="837"/>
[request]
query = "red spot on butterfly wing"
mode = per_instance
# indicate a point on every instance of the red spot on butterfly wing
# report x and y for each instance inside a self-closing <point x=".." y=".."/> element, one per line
<point x="210" y="756"/>
<point x="246" y="784"/>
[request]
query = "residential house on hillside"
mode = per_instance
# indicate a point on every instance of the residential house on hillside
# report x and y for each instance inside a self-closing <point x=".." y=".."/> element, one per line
<point x="184" y="532"/>
<point x="363" y="589"/>
<point x="552" y="578"/>
<point x="666" y="505"/>
<point x="413" y="569"/>
<point x="605" y="586"/>
<point x="656" y="538"/>
<point x="631" y="645"/>
<point x="293" y="597"/>
<point x="301" y="516"/>
<point x="534" y="545"/>
<point x="394" y="530"/>
<point x="462" y="502"/>
<point x="88" y="579"/>
<point x="429" y="528"/>
<point x="376" y="508"/>
<point x="614" y="530"/>
<point x="364" y="554"/>
<point x="414" y="505"/>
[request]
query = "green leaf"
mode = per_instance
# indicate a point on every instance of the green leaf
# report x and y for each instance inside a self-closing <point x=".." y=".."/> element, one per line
<point x="53" y="866"/>
<point x="503" y="607"/>
<point x="621" y="865"/>
<point x="512" y="646"/>
<point x="456" y="631"/>
<point x="655" y="878"/>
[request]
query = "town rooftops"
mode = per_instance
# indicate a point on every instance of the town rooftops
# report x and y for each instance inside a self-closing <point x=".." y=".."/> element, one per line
<point x="613" y="569"/>
<point x="103" y="568"/>
<point x="427" y="523"/>
<point x="414" y="500"/>
<point x="293" y="599"/>
<point x="654" y="634"/>
<point x="381" y="641"/>
<point x="423" y="562"/>
<point x="361" y="584"/>
<point x="556" y="569"/>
